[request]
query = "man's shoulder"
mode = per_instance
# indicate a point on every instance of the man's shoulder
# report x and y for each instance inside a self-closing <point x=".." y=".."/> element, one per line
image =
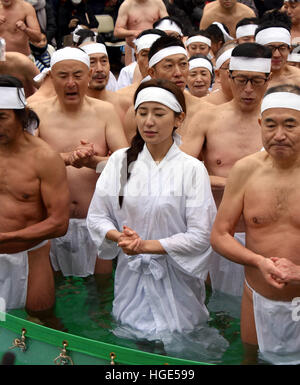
<point x="249" y="164"/>
<point x="244" y="9"/>
<point x="100" y="106"/>
<point x="42" y="106"/>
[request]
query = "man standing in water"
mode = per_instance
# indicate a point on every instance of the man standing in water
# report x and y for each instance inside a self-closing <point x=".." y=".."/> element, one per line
<point x="264" y="188"/>
<point x="18" y="25"/>
<point x="83" y="130"/>
<point x="34" y="204"/>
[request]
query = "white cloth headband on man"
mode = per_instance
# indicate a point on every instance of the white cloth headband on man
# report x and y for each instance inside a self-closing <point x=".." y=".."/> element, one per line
<point x="12" y="98"/>
<point x="273" y="35"/>
<point x="246" y="30"/>
<point x="168" y="25"/>
<point x="294" y="57"/>
<point x="94" y="48"/>
<point x="223" y="58"/>
<point x="198" y="39"/>
<point x="281" y="100"/>
<point x="158" y="95"/>
<point x="67" y="53"/>
<point x="145" y="41"/>
<point x="240" y="63"/>
<point x="165" y="52"/>
<point x="200" y="63"/>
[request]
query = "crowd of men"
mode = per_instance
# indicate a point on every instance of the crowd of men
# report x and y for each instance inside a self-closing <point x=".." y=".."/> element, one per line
<point x="63" y="112"/>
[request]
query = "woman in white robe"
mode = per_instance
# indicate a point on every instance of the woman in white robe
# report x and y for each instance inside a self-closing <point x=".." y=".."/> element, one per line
<point x="157" y="219"/>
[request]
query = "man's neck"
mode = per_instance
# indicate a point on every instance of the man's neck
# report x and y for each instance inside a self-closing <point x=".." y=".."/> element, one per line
<point x="97" y="94"/>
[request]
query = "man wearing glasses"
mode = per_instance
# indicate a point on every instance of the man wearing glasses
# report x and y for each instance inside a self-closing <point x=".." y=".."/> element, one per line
<point x="276" y="35"/>
<point x="228" y="132"/>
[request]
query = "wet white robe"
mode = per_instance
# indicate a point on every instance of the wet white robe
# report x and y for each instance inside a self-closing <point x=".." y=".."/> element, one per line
<point x="170" y="202"/>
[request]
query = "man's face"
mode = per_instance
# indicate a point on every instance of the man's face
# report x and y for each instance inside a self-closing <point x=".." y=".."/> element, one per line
<point x="100" y="71"/>
<point x="10" y="126"/>
<point x="7" y="3"/>
<point x="248" y="88"/>
<point x="174" y="68"/>
<point x="222" y="74"/>
<point x="70" y="80"/>
<point x="227" y="4"/>
<point x="280" y="52"/>
<point x="281" y="132"/>
<point x="293" y="10"/>
<point x="142" y="61"/>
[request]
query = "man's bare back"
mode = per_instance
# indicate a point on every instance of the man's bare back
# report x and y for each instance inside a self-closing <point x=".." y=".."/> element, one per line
<point x="213" y="11"/>
<point x="18" y="24"/>
<point x="18" y="65"/>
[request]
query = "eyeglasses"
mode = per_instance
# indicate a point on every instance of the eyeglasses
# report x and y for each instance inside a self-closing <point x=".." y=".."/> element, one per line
<point x="243" y="81"/>
<point x="283" y="48"/>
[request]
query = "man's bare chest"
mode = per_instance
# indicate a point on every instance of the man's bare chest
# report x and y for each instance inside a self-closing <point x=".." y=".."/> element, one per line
<point x="18" y="178"/>
<point x="268" y="201"/>
<point x="11" y="17"/>
<point x="65" y="133"/>
<point x="142" y="16"/>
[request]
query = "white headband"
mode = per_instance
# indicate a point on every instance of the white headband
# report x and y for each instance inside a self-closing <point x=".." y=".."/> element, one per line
<point x="146" y="41"/>
<point x="222" y="58"/>
<point x="69" y="53"/>
<point x="238" y="63"/>
<point x="198" y="39"/>
<point x="227" y="37"/>
<point x="158" y="95"/>
<point x="12" y="98"/>
<point x="246" y="30"/>
<point x="200" y="63"/>
<point x="168" y="25"/>
<point x="281" y="100"/>
<point x="165" y="52"/>
<point x="38" y="78"/>
<point x="94" y="48"/>
<point x="294" y="57"/>
<point x="273" y="35"/>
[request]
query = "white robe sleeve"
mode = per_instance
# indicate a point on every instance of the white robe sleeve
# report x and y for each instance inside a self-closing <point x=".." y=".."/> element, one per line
<point x="101" y="218"/>
<point x="191" y="251"/>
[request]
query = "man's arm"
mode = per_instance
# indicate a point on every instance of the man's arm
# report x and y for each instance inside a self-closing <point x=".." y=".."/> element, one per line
<point x="193" y="140"/>
<point x="55" y="197"/>
<point x="162" y="9"/>
<point x="121" y="28"/>
<point x="229" y="212"/>
<point x="31" y="26"/>
<point x="207" y="18"/>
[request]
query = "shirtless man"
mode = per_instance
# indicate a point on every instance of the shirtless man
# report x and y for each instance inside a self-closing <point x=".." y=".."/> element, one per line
<point x="264" y="188"/>
<point x="221" y="92"/>
<point x="18" y="65"/>
<point x="18" y="25"/>
<point x="228" y="132"/>
<point x="228" y="12"/>
<point x="34" y="204"/>
<point x="134" y="16"/>
<point x="83" y="130"/>
<point x="276" y="35"/>
<point x="99" y="63"/>
<point x="292" y="8"/>
<point x="173" y="66"/>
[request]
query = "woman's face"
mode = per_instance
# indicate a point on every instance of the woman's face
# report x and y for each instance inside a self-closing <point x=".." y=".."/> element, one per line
<point x="156" y="122"/>
<point x="199" y="81"/>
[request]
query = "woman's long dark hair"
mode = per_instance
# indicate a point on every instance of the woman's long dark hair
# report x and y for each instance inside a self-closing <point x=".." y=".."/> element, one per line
<point x="137" y="143"/>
